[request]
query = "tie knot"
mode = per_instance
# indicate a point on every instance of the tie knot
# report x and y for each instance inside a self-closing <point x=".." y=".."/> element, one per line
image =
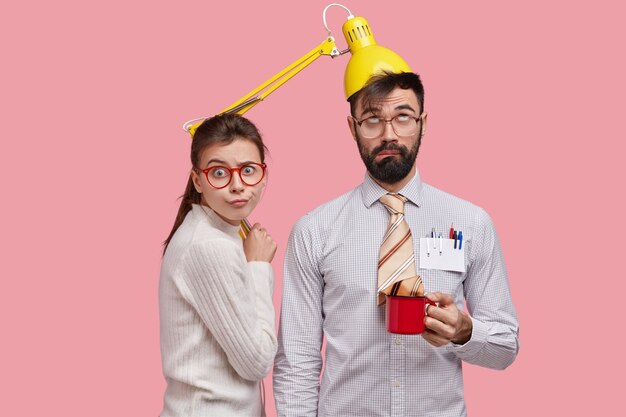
<point x="394" y="202"/>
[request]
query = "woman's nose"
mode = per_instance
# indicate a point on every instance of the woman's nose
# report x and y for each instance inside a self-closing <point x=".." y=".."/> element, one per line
<point x="236" y="185"/>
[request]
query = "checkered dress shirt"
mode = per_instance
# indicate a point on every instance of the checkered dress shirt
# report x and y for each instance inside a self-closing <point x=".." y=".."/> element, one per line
<point x="329" y="292"/>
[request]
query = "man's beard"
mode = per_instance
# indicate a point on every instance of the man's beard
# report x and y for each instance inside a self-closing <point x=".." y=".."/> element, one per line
<point x="391" y="169"/>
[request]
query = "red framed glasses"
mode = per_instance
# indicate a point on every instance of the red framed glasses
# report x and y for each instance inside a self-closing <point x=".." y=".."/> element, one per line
<point x="220" y="176"/>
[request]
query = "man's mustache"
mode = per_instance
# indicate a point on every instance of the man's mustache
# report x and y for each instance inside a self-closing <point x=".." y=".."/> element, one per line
<point x="391" y="147"/>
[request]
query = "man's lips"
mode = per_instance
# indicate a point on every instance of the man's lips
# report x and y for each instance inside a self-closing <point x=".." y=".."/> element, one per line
<point x="387" y="152"/>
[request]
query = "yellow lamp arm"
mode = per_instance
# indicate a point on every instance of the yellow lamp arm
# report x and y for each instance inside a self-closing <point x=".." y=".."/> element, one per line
<point x="327" y="47"/>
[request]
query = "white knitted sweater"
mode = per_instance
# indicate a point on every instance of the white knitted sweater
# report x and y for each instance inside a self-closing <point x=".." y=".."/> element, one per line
<point x="218" y="335"/>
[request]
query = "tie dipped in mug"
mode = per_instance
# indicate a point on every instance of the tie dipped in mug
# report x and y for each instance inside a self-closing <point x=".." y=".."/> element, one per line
<point x="405" y="315"/>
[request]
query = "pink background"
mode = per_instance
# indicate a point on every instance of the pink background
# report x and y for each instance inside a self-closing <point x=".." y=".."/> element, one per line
<point x="525" y="103"/>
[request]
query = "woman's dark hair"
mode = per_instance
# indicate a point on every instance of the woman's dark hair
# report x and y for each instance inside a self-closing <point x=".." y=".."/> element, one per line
<point x="218" y="130"/>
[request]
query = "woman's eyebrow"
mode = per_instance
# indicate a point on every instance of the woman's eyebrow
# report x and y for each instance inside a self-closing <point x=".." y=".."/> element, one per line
<point x="210" y="161"/>
<point x="219" y="161"/>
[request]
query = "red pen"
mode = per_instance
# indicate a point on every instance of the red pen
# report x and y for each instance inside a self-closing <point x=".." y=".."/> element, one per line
<point x="452" y="231"/>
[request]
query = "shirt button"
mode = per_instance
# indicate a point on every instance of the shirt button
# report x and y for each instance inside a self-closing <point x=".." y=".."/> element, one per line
<point x="398" y="340"/>
<point x="396" y="383"/>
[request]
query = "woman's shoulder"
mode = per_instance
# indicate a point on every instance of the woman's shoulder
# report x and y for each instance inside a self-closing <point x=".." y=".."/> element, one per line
<point x="203" y="233"/>
<point x="196" y="232"/>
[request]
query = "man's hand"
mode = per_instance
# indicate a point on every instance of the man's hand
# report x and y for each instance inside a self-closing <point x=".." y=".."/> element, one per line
<point x="446" y="323"/>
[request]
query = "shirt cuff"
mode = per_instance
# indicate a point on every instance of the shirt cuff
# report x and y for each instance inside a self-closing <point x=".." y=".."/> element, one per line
<point x="475" y="344"/>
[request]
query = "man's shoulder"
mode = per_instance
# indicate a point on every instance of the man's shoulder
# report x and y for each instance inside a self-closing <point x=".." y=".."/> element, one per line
<point x="436" y="197"/>
<point x="446" y="202"/>
<point x="326" y="213"/>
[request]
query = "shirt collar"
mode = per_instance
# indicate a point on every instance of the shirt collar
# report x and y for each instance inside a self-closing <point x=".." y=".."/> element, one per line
<point x="371" y="191"/>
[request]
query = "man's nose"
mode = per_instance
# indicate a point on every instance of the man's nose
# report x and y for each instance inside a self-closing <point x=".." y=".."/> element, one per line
<point x="389" y="135"/>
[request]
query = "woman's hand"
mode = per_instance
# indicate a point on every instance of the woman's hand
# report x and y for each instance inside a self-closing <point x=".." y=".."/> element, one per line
<point x="259" y="245"/>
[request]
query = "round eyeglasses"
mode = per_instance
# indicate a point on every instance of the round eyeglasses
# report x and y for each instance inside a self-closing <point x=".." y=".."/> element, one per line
<point x="402" y="124"/>
<point x="220" y="176"/>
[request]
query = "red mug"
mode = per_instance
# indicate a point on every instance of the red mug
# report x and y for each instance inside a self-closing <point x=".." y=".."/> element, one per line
<point x="405" y="315"/>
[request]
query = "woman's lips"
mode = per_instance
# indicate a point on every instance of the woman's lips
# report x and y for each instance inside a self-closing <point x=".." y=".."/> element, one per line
<point x="238" y="203"/>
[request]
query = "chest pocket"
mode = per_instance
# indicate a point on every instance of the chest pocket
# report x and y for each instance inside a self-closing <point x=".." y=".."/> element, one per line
<point x="449" y="282"/>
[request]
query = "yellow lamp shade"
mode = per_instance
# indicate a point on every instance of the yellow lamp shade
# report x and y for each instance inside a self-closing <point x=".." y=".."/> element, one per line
<point x="368" y="58"/>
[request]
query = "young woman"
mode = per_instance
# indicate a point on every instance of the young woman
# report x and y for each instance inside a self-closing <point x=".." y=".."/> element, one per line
<point x="218" y="335"/>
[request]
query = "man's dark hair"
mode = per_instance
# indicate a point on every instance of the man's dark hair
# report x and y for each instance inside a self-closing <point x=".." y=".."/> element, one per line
<point x="380" y="85"/>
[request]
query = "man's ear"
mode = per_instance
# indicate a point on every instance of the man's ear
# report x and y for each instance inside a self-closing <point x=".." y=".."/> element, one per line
<point x="352" y="126"/>
<point x="424" y="117"/>
<point x="196" y="181"/>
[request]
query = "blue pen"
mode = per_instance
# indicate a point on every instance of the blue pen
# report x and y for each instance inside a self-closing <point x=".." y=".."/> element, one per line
<point x="460" y="239"/>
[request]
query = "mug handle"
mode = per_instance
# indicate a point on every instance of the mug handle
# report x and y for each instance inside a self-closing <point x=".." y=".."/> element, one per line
<point x="428" y="302"/>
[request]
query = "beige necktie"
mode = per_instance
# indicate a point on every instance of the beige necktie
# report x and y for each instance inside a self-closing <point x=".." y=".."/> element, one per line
<point x="396" y="264"/>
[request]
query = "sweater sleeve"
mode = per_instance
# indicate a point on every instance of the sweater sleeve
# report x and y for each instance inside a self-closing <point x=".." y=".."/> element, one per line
<point x="234" y="300"/>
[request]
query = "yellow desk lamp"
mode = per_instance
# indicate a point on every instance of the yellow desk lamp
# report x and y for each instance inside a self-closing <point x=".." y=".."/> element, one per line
<point x="368" y="58"/>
